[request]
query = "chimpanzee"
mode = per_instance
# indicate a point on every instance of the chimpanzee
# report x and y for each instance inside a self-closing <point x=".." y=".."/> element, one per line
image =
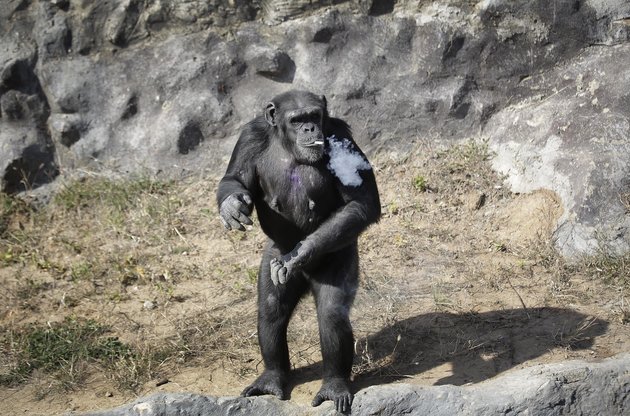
<point x="314" y="192"/>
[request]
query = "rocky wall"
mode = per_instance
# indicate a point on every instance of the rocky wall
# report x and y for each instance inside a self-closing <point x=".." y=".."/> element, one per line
<point x="161" y="88"/>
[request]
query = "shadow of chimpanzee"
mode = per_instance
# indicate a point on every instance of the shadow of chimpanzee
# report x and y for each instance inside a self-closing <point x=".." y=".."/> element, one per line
<point x="478" y="346"/>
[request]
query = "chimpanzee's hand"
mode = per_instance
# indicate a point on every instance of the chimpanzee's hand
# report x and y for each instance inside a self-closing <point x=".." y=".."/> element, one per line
<point x="235" y="211"/>
<point x="285" y="267"/>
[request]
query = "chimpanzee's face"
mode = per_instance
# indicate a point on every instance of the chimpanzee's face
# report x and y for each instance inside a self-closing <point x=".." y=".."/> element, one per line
<point x="299" y="119"/>
<point x="304" y="129"/>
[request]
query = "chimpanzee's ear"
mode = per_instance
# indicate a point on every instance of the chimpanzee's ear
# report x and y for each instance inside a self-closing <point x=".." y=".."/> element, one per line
<point x="324" y="102"/>
<point x="324" y="107"/>
<point x="270" y="114"/>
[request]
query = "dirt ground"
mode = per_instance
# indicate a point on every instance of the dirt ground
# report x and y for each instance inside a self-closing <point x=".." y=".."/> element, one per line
<point x="459" y="283"/>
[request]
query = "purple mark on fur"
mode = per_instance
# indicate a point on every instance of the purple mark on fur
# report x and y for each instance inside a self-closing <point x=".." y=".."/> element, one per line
<point x="295" y="177"/>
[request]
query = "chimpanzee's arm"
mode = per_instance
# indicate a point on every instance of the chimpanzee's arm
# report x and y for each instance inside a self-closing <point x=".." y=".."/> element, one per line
<point x="238" y="186"/>
<point x="361" y="208"/>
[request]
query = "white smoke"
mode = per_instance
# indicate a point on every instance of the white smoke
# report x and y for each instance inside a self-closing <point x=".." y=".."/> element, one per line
<point x="345" y="162"/>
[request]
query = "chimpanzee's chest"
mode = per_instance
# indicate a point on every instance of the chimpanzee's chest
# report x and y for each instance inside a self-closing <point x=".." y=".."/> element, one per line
<point x="304" y="195"/>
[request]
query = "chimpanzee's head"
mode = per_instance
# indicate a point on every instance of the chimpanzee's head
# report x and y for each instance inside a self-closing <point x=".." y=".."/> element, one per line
<point x="298" y="119"/>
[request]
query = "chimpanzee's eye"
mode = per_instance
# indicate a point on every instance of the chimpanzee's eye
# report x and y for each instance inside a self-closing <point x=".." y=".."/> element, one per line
<point x="314" y="117"/>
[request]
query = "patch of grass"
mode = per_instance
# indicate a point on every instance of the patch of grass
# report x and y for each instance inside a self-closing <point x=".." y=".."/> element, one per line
<point x="14" y="241"/>
<point x="134" y="208"/>
<point x="218" y="337"/>
<point x="611" y="269"/>
<point x="29" y="288"/>
<point x="605" y="266"/>
<point x="81" y="271"/>
<point x="68" y="238"/>
<point x="575" y="335"/>
<point x="464" y="168"/>
<point x="9" y="208"/>
<point x="128" y="270"/>
<point x="498" y="247"/>
<point x="419" y="183"/>
<point x="63" y="349"/>
<point x="392" y="208"/>
<point x="252" y="274"/>
<point x="120" y="195"/>
<point x="442" y="300"/>
<point x="247" y="277"/>
<point x="466" y="157"/>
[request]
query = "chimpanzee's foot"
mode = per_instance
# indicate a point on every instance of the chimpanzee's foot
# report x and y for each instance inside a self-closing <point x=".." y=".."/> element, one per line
<point x="337" y="390"/>
<point x="269" y="382"/>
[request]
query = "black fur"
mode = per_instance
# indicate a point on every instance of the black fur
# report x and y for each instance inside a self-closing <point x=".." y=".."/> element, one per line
<point x="313" y="221"/>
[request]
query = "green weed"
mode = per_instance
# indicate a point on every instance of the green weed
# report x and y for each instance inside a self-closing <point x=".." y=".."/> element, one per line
<point x="420" y="183"/>
<point x="62" y="350"/>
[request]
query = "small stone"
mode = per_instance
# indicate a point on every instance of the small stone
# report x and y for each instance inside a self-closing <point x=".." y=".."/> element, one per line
<point x="148" y="305"/>
<point x="481" y="201"/>
<point x="162" y="382"/>
<point x="62" y="4"/>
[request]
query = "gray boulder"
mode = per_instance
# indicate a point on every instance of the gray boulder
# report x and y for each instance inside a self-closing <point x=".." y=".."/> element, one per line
<point x="572" y="135"/>
<point x="571" y="388"/>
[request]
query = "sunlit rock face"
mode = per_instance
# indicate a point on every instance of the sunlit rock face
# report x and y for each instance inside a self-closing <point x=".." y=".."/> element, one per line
<point x="154" y="87"/>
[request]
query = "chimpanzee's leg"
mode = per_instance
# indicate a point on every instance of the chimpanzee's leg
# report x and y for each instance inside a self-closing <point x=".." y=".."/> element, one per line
<point x="275" y="306"/>
<point x="334" y="288"/>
